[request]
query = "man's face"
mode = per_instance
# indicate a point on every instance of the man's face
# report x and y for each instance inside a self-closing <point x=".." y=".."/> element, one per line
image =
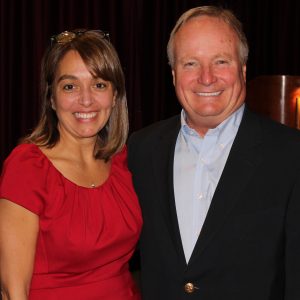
<point x="208" y="76"/>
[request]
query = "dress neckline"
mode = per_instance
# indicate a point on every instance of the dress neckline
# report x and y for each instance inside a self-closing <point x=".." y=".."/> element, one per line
<point x="92" y="187"/>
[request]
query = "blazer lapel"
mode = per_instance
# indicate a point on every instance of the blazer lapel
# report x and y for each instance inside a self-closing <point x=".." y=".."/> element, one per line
<point x="242" y="161"/>
<point x="163" y="158"/>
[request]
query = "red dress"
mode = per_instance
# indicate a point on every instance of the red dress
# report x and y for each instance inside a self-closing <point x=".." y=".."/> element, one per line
<point x="86" y="235"/>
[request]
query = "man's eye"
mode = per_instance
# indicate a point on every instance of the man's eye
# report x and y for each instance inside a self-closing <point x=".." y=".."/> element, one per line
<point x="189" y="64"/>
<point x="222" y="62"/>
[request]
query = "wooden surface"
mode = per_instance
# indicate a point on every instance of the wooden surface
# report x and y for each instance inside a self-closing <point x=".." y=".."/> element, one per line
<point x="275" y="96"/>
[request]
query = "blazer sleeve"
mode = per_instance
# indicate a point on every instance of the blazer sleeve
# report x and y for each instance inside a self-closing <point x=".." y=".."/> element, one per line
<point x="292" y="245"/>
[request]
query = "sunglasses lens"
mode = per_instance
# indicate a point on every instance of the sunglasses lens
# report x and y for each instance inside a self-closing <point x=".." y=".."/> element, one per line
<point x="65" y="37"/>
<point x="68" y="36"/>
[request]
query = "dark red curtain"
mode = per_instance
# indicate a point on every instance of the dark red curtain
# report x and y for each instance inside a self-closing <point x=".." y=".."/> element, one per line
<point x="139" y="30"/>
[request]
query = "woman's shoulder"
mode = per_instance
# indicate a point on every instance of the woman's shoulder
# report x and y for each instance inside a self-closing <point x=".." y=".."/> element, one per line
<point x="25" y="157"/>
<point x="120" y="158"/>
<point x="24" y="150"/>
<point x="24" y="177"/>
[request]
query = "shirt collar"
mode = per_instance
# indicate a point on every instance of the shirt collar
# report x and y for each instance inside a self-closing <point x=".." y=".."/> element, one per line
<point x="227" y="128"/>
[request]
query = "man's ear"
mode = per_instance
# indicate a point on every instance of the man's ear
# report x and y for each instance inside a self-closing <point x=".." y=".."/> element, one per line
<point x="244" y="72"/>
<point x="174" y="77"/>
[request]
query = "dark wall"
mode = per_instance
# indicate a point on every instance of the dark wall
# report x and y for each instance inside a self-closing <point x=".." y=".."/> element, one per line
<point x="139" y="29"/>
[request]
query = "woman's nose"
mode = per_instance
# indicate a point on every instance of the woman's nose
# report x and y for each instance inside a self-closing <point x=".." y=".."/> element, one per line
<point x="86" y="97"/>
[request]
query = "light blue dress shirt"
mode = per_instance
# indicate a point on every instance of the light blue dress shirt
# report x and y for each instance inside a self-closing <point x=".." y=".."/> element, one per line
<point x="198" y="165"/>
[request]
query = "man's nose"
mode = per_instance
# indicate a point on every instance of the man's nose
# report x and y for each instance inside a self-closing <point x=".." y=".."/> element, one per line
<point x="206" y="75"/>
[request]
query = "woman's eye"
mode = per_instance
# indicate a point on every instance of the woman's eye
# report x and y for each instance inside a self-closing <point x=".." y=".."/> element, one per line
<point x="100" y="85"/>
<point x="68" y="87"/>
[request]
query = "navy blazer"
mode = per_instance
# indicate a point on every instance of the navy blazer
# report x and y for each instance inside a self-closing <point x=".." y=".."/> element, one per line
<point x="249" y="246"/>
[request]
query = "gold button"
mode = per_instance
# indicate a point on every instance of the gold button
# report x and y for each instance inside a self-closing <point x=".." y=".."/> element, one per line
<point x="189" y="288"/>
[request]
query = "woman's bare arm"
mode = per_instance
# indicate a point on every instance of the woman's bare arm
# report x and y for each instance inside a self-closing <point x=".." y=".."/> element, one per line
<point x="18" y="235"/>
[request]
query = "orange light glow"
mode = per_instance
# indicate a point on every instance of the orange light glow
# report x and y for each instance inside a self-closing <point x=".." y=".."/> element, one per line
<point x="296" y="95"/>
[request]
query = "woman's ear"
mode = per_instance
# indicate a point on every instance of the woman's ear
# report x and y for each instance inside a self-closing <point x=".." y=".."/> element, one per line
<point x="114" y="98"/>
<point x="53" y="104"/>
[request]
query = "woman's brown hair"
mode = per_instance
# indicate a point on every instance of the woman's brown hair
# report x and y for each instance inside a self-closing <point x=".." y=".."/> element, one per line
<point x="102" y="61"/>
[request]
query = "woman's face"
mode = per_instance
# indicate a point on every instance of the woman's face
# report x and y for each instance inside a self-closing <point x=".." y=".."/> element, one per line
<point x="83" y="103"/>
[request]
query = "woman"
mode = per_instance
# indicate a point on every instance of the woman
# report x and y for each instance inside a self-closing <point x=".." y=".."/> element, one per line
<point x="69" y="218"/>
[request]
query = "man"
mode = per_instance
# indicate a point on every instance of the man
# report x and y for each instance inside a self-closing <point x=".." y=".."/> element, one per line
<point x="218" y="185"/>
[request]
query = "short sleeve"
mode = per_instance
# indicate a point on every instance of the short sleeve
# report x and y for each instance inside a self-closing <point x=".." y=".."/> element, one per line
<point x="23" y="178"/>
